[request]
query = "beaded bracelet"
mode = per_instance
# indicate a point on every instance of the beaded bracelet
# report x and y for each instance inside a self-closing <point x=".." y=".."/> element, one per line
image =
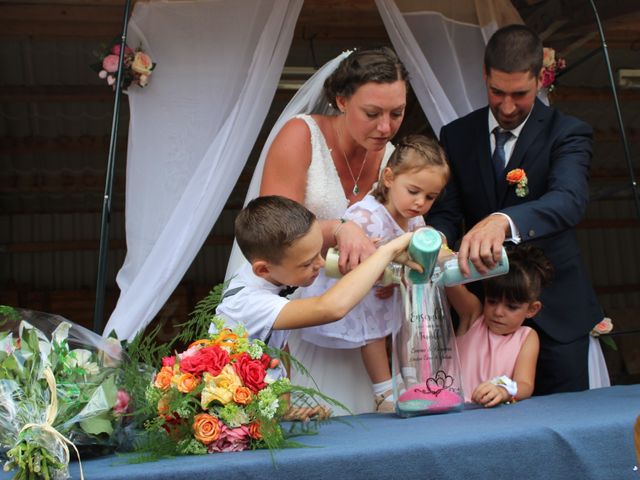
<point x="335" y="232"/>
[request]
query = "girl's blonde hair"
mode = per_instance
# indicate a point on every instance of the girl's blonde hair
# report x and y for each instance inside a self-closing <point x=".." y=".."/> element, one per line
<point x="413" y="152"/>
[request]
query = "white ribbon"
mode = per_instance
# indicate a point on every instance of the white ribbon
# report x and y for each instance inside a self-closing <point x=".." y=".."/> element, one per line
<point x="52" y="413"/>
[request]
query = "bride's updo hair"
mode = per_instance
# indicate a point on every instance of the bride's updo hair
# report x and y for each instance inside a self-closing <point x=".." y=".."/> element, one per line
<point x="380" y="65"/>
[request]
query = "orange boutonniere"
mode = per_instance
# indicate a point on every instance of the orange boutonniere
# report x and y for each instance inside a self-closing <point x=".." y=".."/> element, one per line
<point x="518" y="177"/>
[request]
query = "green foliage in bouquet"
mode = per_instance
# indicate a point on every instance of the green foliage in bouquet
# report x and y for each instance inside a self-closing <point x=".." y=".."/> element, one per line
<point x="51" y="396"/>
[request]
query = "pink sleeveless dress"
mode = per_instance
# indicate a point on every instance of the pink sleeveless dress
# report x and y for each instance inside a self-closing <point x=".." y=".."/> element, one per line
<point x="485" y="355"/>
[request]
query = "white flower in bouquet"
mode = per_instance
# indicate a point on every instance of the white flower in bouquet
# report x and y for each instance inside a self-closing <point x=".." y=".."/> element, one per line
<point x="81" y="359"/>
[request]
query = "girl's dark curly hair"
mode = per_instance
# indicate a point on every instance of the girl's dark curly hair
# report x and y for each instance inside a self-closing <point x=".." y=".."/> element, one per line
<point x="529" y="271"/>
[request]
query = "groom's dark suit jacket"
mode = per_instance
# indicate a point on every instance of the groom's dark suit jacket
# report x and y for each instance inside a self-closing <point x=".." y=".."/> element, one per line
<point x="555" y="151"/>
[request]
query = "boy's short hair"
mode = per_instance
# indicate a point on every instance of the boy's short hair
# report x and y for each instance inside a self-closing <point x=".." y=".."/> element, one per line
<point x="268" y="225"/>
<point x="512" y="49"/>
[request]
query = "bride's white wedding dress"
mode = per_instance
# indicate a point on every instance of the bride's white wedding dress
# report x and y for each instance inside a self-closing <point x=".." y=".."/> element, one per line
<point x="339" y="373"/>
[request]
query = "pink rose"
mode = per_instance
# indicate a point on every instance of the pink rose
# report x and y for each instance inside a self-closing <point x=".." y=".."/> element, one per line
<point x="189" y="352"/>
<point x="116" y="50"/>
<point x="547" y="78"/>
<point x="102" y="74"/>
<point x="111" y="79"/>
<point x="122" y="402"/>
<point x="110" y="63"/>
<point x="231" y="440"/>
<point x="169" y="361"/>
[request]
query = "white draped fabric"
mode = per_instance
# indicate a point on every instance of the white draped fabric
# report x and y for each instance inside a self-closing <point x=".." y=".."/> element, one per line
<point x="191" y="132"/>
<point x="441" y="43"/>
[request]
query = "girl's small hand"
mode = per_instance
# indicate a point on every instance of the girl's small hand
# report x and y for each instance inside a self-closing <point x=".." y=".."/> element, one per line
<point x="354" y="246"/>
<point x="384" y="292"/>
<point x="489" y="395"/>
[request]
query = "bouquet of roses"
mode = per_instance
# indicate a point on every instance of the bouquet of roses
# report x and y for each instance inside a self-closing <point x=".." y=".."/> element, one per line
<point x="137" y="66"/>
<point x="224" y="393"/>
<point x="58" y="388"/>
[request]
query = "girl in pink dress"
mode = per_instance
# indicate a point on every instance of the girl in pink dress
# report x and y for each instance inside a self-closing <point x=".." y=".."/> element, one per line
<point x="498" y="354"/>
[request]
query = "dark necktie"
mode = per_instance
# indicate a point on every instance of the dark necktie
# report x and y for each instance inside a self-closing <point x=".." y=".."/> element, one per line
<point x="499" y="158"/>
<point x="286" y="291"/>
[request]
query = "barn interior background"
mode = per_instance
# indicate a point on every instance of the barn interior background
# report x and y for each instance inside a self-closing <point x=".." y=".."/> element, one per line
<point x="55" y="121"/>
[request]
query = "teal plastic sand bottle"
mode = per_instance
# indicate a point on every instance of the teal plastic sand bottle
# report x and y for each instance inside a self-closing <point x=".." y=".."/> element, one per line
<point x="451" y="271"/>
<point x="424" y="248"/>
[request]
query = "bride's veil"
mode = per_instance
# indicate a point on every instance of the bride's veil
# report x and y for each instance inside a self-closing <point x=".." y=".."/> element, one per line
<point x="309" y="99"/>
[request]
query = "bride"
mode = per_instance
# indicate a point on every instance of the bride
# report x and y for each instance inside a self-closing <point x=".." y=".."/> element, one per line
<point x="326" y="151"/>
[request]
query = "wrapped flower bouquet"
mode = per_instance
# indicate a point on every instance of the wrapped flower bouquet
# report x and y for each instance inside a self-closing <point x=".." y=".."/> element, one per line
<point x="58" y="390"/>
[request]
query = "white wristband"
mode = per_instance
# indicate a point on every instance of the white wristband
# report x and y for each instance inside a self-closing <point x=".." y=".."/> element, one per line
<point x="509" y="385"/>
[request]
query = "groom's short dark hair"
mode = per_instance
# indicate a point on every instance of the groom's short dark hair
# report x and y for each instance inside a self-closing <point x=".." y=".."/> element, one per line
<point x="268" y="225"/>
<point x="514" y="48"/>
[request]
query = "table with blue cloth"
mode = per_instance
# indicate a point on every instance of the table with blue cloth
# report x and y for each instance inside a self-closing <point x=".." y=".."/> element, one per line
<point x="583" y="435"/>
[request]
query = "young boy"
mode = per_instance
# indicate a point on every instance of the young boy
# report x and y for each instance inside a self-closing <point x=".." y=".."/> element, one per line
<point x="282" y="241"/>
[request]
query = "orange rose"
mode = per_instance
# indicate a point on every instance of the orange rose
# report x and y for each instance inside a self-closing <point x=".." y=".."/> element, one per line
<point x="515" y="176"/>
<point x="254" y="431"/>
<point x="185" y="382"/>
<point x="163" y="378"/>
<point x="206" y="428"/>
<point x="242" y="395"/>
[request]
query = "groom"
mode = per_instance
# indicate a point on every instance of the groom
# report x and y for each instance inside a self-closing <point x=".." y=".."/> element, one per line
<point x="517" y="131"/>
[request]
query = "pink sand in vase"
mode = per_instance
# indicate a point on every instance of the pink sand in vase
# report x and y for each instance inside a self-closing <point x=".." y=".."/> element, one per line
<point x="418" y="399"/>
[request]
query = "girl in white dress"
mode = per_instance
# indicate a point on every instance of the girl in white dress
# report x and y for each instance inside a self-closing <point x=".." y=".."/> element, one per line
<point x="414" y="176"/>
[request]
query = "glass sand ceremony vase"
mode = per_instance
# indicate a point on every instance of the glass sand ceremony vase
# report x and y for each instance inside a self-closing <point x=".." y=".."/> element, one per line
<point x="424" y="353"/>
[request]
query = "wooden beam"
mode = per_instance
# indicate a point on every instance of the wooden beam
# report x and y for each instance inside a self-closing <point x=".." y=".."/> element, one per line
<point x="608" y="223"/>
<point x="80" y="94"/>
<point x="588" y="94"/>
<point x="60" y="20"/>
<point x="88" y="245"/>
<point x="613" y="136"/>
<point x="57" y="183"/>
<point x="80" y="182"/>
<point x="83" y="143"/>
<point x="56" y="93"/>
<point x="623" y="288"/>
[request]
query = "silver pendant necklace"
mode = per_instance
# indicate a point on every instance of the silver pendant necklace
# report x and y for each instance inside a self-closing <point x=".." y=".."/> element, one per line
<point x="356" y="189"/>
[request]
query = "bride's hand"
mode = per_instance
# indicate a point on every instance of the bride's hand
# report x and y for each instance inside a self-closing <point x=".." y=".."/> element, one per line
<point x="354" y="246"/>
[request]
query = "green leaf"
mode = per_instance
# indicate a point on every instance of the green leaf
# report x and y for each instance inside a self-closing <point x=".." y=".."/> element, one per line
<point x="110" y="390"/>
<point x="609" y="342"/>
<point x="98" y="424"/>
